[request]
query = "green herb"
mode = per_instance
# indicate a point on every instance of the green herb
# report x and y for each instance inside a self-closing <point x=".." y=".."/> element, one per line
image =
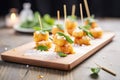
<point x="48" y="19"/>
<point x="51" y="38"/>
<point x="95" y="70"/>
<point x="60" y="26"/>
<point x="27" y="24"/>
<point x="42" y="32"/>
<point x="36" y="14"/>
<point x="42" y="48"/>
<point x="85" y="29"/>
<point x="47" y="22"/>
<point x="61" y="54"/>
<point x="66" y="37"/>
<point x="72" y="18"/>
<point x="90" y="19"/>
<point x="36" y="28"/>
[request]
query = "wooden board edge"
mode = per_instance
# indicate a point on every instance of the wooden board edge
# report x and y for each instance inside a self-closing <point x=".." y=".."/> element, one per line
<point x="35" y="62"/>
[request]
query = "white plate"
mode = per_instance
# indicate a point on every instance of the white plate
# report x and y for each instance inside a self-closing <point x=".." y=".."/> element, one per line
<point x="20" y="29"/>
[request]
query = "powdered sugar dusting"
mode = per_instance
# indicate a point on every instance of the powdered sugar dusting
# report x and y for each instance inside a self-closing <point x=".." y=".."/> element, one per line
<point x="51" y="54"/>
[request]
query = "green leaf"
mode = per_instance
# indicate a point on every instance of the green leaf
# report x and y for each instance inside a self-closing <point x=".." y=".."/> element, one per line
<point x="51" y="38"/>
<point x="27" y="24"/>
<point x="90" y="19"/>
<point x="85" y="29"/>
<point x="42" y="32"/>
<point x="61" y="54"/>
<point x="87" y="26"/>
<point x="60" y="26"/>
<point x="73" y="18"/>
<point x="66" y="37"/>
<point x="36" y="28"/>
<point x="47" y="18"/>
<point x="88" y="33"/>
<point x="47" y="22"/>
<point x="42" y="48"/>
<point x="95" y="70"/>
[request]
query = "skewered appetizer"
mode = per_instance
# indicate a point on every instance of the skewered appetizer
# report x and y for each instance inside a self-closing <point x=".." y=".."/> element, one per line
<point x="41" y="39"/>
<point x="82" y="36"/>
<point x="96" y="31"/>
<point x="91" y="21"/>
<point x="63" y="43"/>
<point x="84" y="40"/>
<point x="71" y="24"/>
<point x="57" y="28"/>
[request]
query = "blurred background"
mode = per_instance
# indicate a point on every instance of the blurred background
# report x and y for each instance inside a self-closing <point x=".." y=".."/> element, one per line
<point x="101" y="8"/>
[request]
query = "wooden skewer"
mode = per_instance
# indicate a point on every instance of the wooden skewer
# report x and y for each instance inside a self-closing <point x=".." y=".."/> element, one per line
<point x="58" y="15"/>
<point x="65" y="13"/>
<point x="107" y="70"/>
<point x="73" y="10"/>
<point x="65" y="16"/>
<point x="81" y="13"/>
<point x="40" y="22"/>
<point x="87" y="8"/>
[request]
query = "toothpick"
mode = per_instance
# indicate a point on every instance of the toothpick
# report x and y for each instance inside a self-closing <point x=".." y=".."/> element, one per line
<point x="107" y="70"/>
<point x="58" y="15"/>
<point x="87" y="8"/>
<point x="65" y="15"/>
<point x="40" y="22"/>
<point x="81" y="13"/>
<point x="73" y="10"/>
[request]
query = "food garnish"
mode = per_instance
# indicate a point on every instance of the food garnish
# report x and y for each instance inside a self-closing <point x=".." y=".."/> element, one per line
<point x="66" y="37"/>
<point x="95" y="70"/>
<point x="42" y="48"/>
<point x="61" y="54"/>
<point x="85" y="29"/>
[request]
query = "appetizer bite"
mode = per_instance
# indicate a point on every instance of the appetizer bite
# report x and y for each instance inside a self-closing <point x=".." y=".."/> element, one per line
<point x="63" y="43"/>
<point x="41" y="39"/>
<point x="58" y="27"/>
<point x="82" y="36"/>
<point x="96" y="31"/>
<point x="71" y="21"/>
<point x="91" y="21"/>
<point x="71" y="24"/>
<point x="40" y="36"/>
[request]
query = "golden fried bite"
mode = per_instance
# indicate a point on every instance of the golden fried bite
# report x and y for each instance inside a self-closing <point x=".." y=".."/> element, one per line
<point x="84" y="40"/>
<point x="70" y="31"/>
<point x="48" y="44"/>
<point x="92" y="24"/>
<point x="39" y="36"/>
<point x="59" y="40"/>
<point x="96" y="32"/>
<point x="70" y="26"/>
<point x="55" y="29"/>
<point x="78" y="33"/>
<point x="67" y="49"/>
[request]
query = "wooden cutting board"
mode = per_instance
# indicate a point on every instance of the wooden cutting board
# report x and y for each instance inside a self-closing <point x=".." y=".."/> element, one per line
<point x="25" y="54"/>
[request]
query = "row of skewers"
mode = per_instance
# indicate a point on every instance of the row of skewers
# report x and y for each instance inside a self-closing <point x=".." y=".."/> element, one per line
<point x="64" y="36"/>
